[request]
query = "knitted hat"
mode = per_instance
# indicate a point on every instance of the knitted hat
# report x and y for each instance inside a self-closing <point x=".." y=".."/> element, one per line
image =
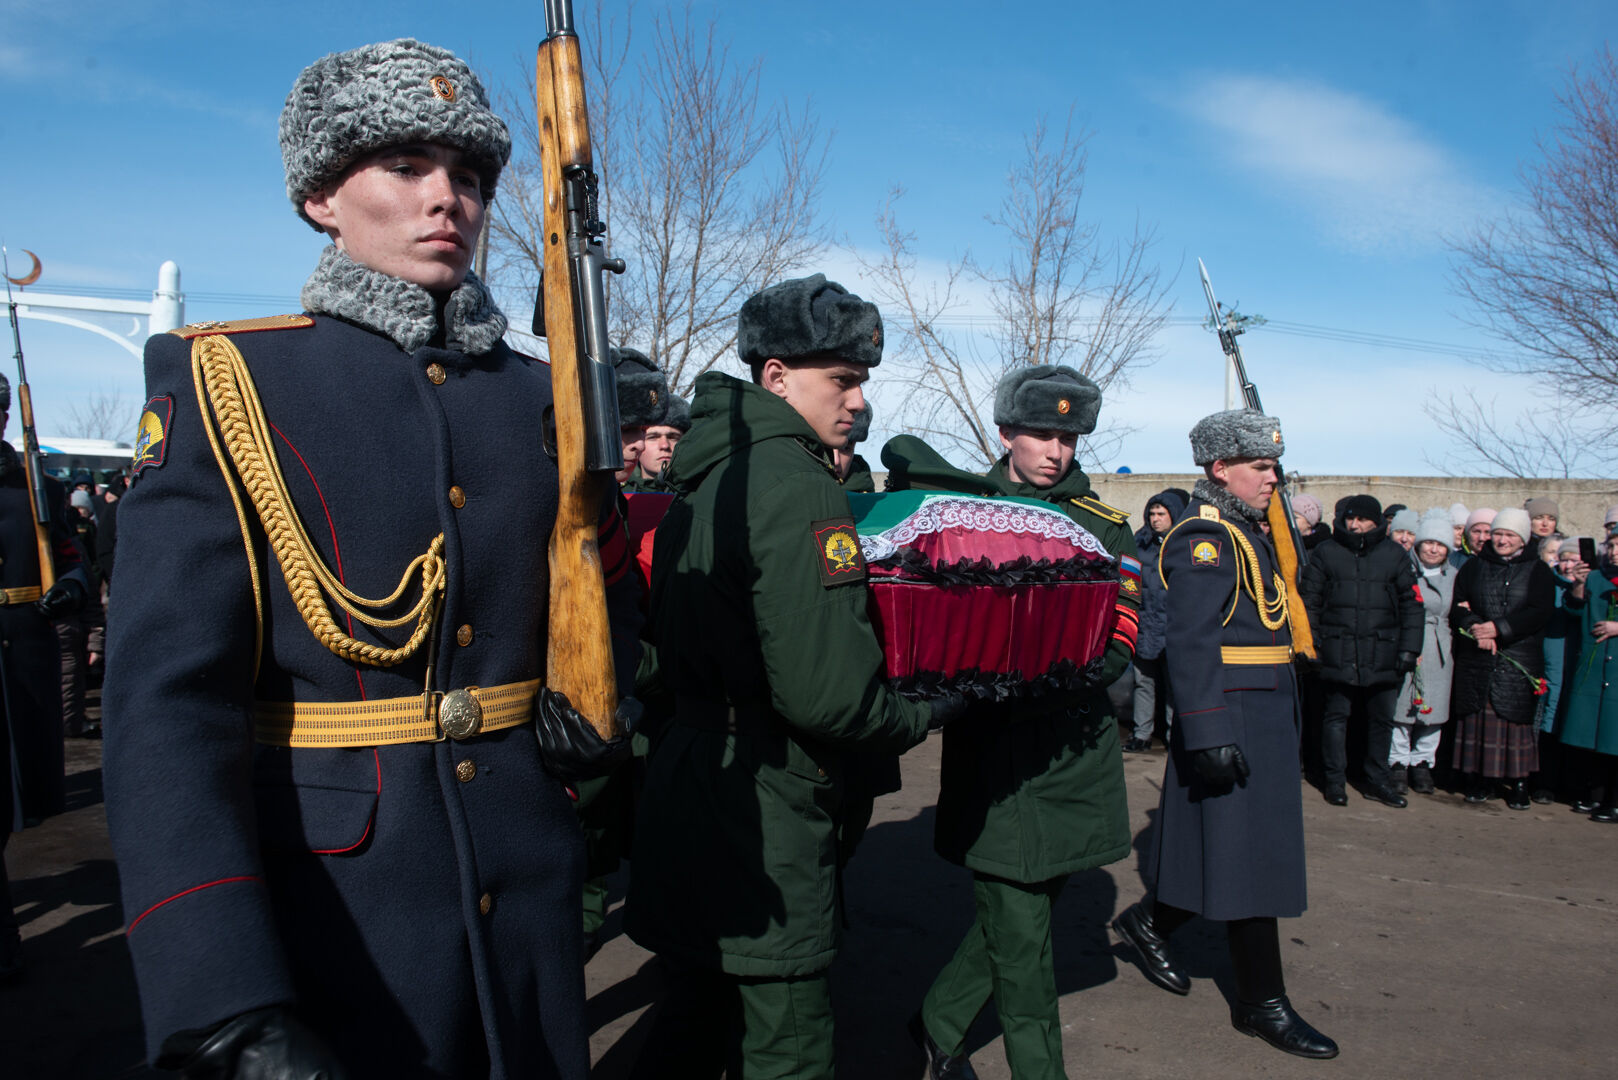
<point x="1362" y="506"/>
<point x="1237" y="433"/>
<point x="1541" y="506"/>
<point x="1435" y="526"/>
<point x="1406" y="520"/>
<point x="678" y="416"/>
<point x="1458" y="513"/>
<point x="809" y="319"/>
<point x="1481" y="516"/>
<point x="346" y="105"/>
<point x="1513" y="520"/>
<point x="862" y="426"/>
<point x="1309" y="507"/>
<point x="643" y="393"/>
<point x="1047" y="397"/>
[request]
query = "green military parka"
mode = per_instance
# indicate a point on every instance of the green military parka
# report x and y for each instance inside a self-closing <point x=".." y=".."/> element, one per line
<point x="758" y="621"/>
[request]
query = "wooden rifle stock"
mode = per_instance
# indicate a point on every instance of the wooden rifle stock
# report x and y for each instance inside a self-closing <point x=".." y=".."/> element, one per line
<point x="36" y="488"/>
<point x="579" y="659"/>
<point x="30" y="451"/>
<point x="1284" y="535"/>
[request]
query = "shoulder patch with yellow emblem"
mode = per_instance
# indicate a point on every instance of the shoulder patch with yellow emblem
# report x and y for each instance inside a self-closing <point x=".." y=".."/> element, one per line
<point x="837" y="551"/>
<point x="1204" y="552"/>
<point x="152" y="435"/>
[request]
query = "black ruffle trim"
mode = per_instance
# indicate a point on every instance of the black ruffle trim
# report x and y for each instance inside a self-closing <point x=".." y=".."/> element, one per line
<point x="1064" y="676"/>
<point x="1025" y="570"/>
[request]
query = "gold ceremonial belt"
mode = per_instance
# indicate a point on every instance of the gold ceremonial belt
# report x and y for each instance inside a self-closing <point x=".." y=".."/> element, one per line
<point x="433" y="717"/>
<point x="22" y="594"/>
<point x="1256" y="654"/>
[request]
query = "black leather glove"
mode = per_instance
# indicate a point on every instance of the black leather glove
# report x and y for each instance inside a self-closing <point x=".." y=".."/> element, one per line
<point x="64" y="598"/>
<point x="951" y="706"/>
<point x="570" y="749"/>
<point x="1406" y="663"/>
<point x="265" y="1044"/>
<point x="1221" y="766"/>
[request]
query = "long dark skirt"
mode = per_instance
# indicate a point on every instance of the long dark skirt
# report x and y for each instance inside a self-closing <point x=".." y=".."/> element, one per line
<point x="1491" y="747"/>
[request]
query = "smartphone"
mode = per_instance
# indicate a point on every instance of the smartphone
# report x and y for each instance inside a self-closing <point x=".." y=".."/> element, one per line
<point x="1587" y="551"/>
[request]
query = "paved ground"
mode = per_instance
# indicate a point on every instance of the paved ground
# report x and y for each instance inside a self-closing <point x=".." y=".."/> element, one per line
<point x="1472" y="941"/>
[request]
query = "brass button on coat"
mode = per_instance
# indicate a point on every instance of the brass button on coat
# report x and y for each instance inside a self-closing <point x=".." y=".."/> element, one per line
<point x="465" y="771"/>
<point x="436" y="373"/>
<point x="463" y="636"/>
<point x="457" y="497"/>
<point x="485" y="904"/>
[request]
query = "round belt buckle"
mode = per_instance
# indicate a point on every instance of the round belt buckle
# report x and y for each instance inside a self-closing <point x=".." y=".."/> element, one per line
<point x="460" y="715"/>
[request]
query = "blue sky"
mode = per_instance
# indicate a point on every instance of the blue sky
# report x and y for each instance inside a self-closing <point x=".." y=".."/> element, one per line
<point x="1315" y="156"/>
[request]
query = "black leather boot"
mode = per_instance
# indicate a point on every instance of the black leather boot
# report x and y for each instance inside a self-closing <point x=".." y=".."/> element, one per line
<point x="1134" y="925"/>
<point x="1278" y="1024"/>
<point x="940" y="1066"/>
<point x="1517" y="795"/>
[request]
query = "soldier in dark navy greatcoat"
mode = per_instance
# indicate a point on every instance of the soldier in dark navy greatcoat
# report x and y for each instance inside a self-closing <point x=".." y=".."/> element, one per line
<point x="343" y="850"/>
<point x="30" y="663"/>
<point x="1229" y="838"/>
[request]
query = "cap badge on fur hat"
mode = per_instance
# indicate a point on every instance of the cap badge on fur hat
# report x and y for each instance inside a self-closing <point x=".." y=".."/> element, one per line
<point x="1064" y="406"/>
<point x="1275" y="436"/>
<point x="442" y="87"/>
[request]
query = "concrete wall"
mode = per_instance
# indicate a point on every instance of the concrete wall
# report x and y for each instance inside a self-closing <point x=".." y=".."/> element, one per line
<point x="1584" y="503"/>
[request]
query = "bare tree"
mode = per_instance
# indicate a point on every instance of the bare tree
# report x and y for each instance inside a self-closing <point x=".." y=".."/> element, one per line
<point x="709" y="193"/>
<point x="1060" y="295"/>
<point x="1530" y="448"/>
<point x="101" y="416"/>
<point x="1544" y="279"/>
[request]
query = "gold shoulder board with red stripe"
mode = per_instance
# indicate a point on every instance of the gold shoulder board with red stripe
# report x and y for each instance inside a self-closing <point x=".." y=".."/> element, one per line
<point x="244" y="326"/>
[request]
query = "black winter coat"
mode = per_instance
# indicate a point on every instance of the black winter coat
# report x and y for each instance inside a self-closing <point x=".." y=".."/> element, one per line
<point x="1519" y="596"/>
<point x="1360" y="591"/>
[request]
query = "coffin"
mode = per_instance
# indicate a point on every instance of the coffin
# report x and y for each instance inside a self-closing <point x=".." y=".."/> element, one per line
<point x="995" y="598"/>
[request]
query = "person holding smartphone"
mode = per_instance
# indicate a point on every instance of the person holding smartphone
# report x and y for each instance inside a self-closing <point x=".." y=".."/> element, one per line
<point x="1591" y="721"/>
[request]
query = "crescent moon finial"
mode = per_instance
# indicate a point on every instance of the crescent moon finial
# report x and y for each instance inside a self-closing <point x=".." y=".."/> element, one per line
<point x="32" y="275"/>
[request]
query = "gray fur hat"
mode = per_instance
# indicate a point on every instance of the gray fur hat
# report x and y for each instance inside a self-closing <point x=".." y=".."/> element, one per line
<point x="5" y="394"/>
<point x="862" y="425"/>
<point x="1435" y="526"/>
<point x="349" y="104"/>
<point x="678" y="416"/>
<point x="643" y="393"/>
<point x="1237" y="433"/>
<point x="1047" y="397"/>
<point x="809" y="319"/>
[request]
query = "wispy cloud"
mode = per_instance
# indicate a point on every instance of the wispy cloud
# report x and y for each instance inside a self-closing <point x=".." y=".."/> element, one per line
<point x="1373" y="179"/>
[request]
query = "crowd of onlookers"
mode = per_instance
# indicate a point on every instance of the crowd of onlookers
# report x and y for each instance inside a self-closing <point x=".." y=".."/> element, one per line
<point x="1459" y="648"/>
<point x="92" y="514"/>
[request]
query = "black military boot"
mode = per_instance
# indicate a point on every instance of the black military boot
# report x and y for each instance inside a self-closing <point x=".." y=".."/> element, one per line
<point x="940" y="1066"/>
<point x="1134" y="925"/>
<point x="1278" y="1024"/>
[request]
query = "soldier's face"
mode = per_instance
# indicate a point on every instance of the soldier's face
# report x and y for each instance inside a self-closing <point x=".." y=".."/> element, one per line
<point x="1252" y="480"/>
<point x="660" y="440"/>
<point x="828" y="394"/>
<point x="1040" y="458"/>
<point x="412" y="212"/>
<point x="633" y="440"/>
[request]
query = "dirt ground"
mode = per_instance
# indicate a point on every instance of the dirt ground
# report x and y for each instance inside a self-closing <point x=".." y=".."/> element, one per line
<point x="1467" y="940"/>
